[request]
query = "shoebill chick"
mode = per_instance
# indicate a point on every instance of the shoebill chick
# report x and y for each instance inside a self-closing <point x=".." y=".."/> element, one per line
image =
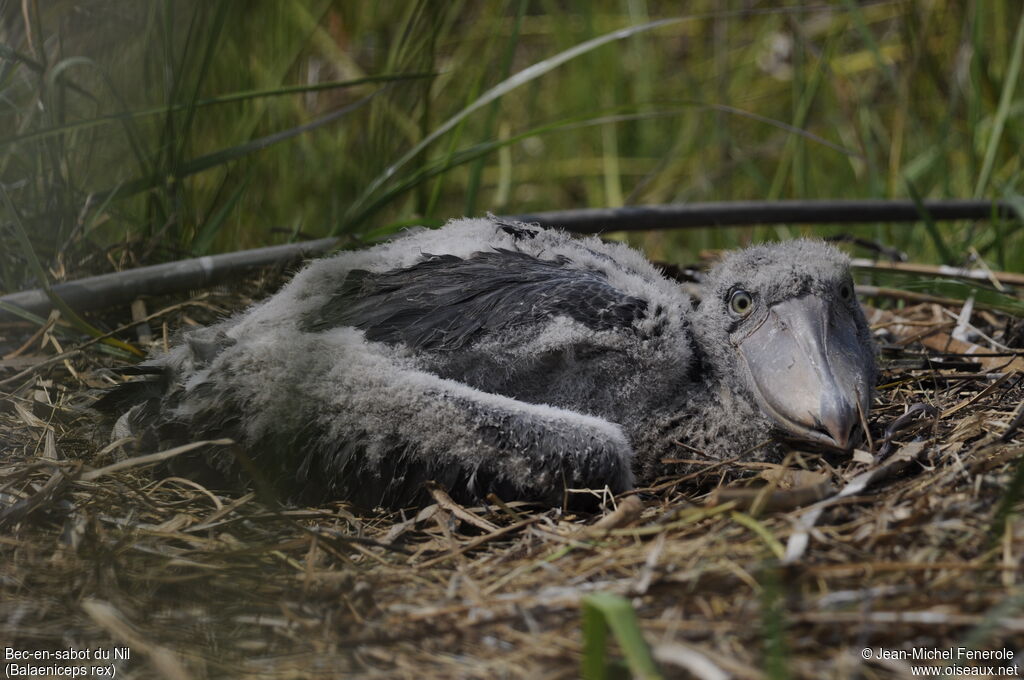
<point x="501" y="357"/>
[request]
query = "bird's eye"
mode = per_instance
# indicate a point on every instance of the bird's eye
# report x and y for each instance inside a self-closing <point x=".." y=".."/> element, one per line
<point x="846" y="292"/>
<point x="741" y="303"/>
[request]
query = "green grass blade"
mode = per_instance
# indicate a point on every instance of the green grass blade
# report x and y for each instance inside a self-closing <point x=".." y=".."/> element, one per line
<point x="985" y="297"/>
<point x="1012" y="496"/>
<point x="528" y="74"/>
<point x="773" y="544"/>
<point x="210" y="48"/>
<point x="476" y="172"/>
<point x="792" y="129"/>
<point x="1002" y="111"/>
<point x="57" y="70"/>
<point x="1016" y="202"/>
<point x="56" y="76"/>
<point x="236" y="97"/>
<point x="232" y="98"/>
<point x="211" y="228"/>
<point x="602" y="611"/>
<point x="223" y="156"/>
<point x="773" y="626"/>
<point x="111" y="350"/>
<point x="869" y="38"/>
<point x="408" y="182"/>
<point x="993" y="622"/>
<point x="12" y="55"/>
<point x="30" y="254"/>
<point x="933" y="229"/>
<point x="803" y="108"/>
<point x="99" y="211"/>
<point x="595" y="644"/>
<point x="21" y="313"/>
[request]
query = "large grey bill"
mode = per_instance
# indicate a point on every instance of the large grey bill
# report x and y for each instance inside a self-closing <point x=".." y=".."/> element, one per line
<point x="809" y="370"/>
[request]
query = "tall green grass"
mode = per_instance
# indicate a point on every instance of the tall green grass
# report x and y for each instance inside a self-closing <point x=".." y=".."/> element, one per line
<point x="134" y="132"/>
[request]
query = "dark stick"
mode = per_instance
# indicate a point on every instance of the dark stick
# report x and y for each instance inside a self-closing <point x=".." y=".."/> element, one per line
<point x="740" y="213"/>
<point x="120" y="288"/>
<point x="117" y="288"/>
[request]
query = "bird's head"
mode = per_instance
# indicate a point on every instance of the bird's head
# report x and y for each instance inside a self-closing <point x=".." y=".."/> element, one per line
<point x="783" y="323"/>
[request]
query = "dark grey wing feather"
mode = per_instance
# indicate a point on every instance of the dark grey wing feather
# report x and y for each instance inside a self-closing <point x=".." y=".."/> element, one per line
<point x="445" y="302"/>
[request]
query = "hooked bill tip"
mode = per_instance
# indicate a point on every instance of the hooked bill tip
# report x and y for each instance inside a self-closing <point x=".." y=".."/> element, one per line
<point x="839" y="436"/>
<point x="838" y="421"/>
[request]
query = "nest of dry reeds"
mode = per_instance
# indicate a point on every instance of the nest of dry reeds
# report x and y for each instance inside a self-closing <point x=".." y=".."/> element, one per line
<point x="794" y="570"/>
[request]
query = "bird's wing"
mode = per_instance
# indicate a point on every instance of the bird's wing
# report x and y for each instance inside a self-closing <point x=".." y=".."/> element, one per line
<point x="446" y="302"/>
<point x="341" y="417"/>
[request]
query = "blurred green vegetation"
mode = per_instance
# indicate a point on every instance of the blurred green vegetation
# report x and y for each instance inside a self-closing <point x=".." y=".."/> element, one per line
<point x="134" y="132"/>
